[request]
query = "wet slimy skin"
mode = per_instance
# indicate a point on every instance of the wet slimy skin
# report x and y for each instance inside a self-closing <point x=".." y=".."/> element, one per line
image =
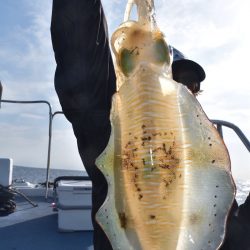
<point x="168" y="170"/>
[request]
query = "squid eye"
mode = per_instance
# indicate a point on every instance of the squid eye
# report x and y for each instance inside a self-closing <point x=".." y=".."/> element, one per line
<point x="162" y="52"/>
<point x="127" y="61"/>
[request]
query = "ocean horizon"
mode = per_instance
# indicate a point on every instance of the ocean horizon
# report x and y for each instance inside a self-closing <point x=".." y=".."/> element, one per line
<point x="38" y="175"/>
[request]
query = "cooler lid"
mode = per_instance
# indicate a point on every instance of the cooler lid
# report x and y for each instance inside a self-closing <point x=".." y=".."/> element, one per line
<point x="74" y="185"/>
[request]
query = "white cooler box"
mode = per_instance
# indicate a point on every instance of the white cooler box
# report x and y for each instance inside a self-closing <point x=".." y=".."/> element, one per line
<point x="74" y="205"/>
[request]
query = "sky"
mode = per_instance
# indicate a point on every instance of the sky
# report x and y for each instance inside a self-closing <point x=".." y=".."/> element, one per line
<point x="213" y="33"/>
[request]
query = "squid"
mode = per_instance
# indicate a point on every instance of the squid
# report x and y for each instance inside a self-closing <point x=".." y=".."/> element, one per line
<point x="167" y="168"/>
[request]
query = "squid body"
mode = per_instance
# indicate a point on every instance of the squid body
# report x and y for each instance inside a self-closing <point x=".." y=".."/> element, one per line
<point x="168" y="170"/>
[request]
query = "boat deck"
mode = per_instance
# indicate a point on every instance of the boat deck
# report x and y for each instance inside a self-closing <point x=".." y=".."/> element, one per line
<point x="35" y="228"/>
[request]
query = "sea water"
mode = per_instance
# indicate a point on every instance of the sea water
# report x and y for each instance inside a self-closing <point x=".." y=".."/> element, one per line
<point x="38" y="175"/>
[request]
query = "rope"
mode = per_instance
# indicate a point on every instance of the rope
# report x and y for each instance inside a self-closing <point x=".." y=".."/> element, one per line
<point x="25" y="197"/>
<point x="7" y="204"/>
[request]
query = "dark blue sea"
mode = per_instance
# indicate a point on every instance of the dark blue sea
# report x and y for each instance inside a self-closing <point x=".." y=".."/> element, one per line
<point x="38" y="175"/>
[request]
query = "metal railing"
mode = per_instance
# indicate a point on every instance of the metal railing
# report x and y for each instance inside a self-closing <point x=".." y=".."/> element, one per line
<point x="49" y="132"/>
<point x="243" y="138"/>
<point x="51" y="116"/>
<point x="218" y="123"/>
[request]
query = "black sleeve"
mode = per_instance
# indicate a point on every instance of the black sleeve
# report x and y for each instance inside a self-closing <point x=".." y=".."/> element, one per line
<point x="244" y="212"/>
<point x="84" y="78"/>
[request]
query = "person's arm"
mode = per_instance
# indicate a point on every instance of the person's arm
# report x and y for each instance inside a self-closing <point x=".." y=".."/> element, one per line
<point x="84" y="78"/>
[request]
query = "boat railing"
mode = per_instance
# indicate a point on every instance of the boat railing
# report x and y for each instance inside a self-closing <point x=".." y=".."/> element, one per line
<point x="218" y="123"/>
<point x="49" y="132"/>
